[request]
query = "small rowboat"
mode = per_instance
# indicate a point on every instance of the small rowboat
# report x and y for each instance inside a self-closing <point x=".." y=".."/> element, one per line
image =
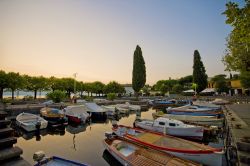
<point x="130" y="154"/>
<point x="176" y="146"/>
<point x="31" y="122"/>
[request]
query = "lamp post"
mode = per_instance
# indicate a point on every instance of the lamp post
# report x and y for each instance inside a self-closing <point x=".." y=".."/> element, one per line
<point x="74" y="82"/>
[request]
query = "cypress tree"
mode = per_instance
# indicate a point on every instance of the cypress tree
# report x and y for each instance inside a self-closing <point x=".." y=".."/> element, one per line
<point x="139" y="71"/>
<point x="199" y="73"/>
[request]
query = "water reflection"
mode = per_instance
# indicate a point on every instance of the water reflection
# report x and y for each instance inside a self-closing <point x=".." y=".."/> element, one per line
<point x="75" y="129"/>
<point x="81" y="143"/>
<point x="19" y="132"/>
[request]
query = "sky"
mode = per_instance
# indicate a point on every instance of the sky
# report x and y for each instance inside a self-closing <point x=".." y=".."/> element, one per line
<point x="96" y="38"/>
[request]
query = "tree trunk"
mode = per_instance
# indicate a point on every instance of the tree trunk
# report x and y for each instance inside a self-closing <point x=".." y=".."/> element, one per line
<point x="1" y="93"/>
<point x="35" y="92"/>
<point x="12" y="94"/>
<point x="88" y="93"/>
<point x="81" y="93"/>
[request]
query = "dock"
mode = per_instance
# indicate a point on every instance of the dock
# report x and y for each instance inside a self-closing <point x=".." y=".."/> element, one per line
<point x="237" y="140"/>
<point x="9" y="154"/>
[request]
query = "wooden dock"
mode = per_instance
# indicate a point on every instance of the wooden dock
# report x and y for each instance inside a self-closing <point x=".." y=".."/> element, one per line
<point x="9" y="154"/>
<point x="237" y="141"/>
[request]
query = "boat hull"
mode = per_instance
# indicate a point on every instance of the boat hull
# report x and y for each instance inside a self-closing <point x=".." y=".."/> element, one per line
<point x="200" y="120"/>
<point x="196" y="152"/>
<point x="194" y="132"/>
<point x="32" y="127"/>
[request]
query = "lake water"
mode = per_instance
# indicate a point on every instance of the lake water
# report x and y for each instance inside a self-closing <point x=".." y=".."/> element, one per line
<point x="82" y="143"/>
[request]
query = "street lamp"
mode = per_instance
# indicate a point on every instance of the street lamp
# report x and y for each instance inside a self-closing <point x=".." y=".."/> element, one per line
<point x="74" y="82"/>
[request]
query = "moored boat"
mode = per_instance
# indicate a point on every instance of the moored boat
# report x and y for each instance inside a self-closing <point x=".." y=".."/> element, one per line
<point x="220" y="101"/>
<point x="194" y="111"/>
<point x="130" y="154"/>
<point x="176" y="146"/>
<point x="42" y="160"/>
<point x="96" y="112"/>
<point x="200" y="120"/>
<point x="163" y="103"/>
<point x="31" y="122"/>
<point x="171" y="127"/>
<point x="55" y="117"/>
<point x="195" y="108"/>
<point x="77" y="114"/>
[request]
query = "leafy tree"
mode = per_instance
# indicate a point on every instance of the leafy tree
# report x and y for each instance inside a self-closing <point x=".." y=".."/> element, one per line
<point x="67" y="85"/>
<point x="81" y="87"/>
<point x="15" y="81"/>
<point x="199" y="73"/>
<point x="139" y="71"/>
<point x="97" y="87"/>
<point x="111" y="96"/>
<point x="88" y="88"/>
<point x="237" y="57"/>
<point x="245" y="79"/>
<point x="36" y="83"/>
<point x="3" y="82"/>
<point x="114" y="87"/>
<point x="146" y="89"/>
<point x="220" y="83"/>
<point x="57" y="96"/>
<point x="177" y="88"/>
<point x="186" y="82"/>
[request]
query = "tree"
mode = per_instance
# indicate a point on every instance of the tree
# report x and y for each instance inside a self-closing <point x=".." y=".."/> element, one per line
<point x="199" y="73"/>
<point x="177" y="88"/>
<point x="67" y="85"/>
<point x="15" y="81"/>
<point x="245" y="79"/>
<point x="3" y="83"/>
<point x="97" y="87"/>
<point x="237" y="57"/>
<point x="36" y="83"/>
<point x="114" y="87"/>
<point x="81" y="87"/>
<point x="139" y="71"/>
<point x="57" y="96"/>
<point x="220" y="83"/>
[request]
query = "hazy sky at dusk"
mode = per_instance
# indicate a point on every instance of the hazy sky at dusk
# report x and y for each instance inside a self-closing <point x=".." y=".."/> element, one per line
<point x="97" y="38"/>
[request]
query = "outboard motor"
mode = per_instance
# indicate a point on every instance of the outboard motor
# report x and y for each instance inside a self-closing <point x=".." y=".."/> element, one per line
<point x="38" y="125"/>
<point x="38" y="156"/>
<point x="109" y="135"/>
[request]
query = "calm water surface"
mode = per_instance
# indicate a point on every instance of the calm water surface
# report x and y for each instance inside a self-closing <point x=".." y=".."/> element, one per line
<point x="82" y="143"/>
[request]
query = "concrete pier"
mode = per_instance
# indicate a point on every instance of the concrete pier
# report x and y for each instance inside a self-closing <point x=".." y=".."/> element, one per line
<point x="237" y="139"/>
<point x="9" y="155"/>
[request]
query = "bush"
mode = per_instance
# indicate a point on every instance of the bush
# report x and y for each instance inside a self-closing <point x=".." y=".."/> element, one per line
<point x="111" y="96"/>
<point x="57" y="96"/>
<point x="89" y="98"/>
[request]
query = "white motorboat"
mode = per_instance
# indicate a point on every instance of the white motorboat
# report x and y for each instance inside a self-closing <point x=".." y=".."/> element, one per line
<point x="171" y="127"/>
<point x="31" y="122"/>
<point x="199" y="120"/>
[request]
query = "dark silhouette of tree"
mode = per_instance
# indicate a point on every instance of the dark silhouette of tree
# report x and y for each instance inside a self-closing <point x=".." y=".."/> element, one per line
<point x="139" y="71"/>
<point x="199" y="73"/>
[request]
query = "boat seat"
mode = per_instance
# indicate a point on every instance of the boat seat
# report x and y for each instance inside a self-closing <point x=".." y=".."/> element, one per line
<point x="140" y="160"/>
<point x="163" y="159"/>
